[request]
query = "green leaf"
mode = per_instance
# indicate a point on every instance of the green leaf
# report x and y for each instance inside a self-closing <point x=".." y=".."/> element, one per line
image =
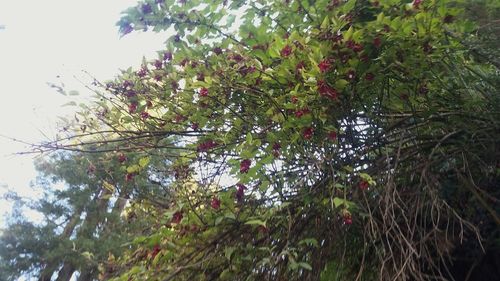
<point x="264" y="185"/>
<point x="310" y="242"/>
<point x="133" y="169"/>
<point x="348" y="6"/>
<point x="341" y="84"/>
<point x="348" y="33"/>
<point x="226" y="275"/>
<point x="108" y="186"/>
<point x="339" y="202"/>
<point x="143" y="162"/>
<point x="228" y="252"/>
<point x="325" y="22"/>
<point x="230" y="215"/>
<point x="305" y="265"/>
<point x="249" y="138"/>
<point x="218" y="220"/>
<point x="88" y="255"/>
<point x="267" y="160"/>
<point x="342" y="202"/>
<point x="256" y="222"/>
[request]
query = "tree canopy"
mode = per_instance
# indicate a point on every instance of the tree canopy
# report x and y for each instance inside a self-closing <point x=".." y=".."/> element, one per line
<point x="305" y="140"/>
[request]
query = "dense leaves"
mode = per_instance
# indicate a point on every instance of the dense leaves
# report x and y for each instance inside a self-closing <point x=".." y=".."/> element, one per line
<point x="308" y="140"/>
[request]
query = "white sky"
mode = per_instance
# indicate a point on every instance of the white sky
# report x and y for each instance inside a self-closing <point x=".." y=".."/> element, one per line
<point x="43" y="39"/>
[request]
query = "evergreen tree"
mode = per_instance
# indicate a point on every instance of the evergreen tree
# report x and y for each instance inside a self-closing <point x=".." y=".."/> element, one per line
<point x="84" y="223"/>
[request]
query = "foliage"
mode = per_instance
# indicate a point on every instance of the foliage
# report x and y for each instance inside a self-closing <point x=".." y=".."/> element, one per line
<point x="85" y="223"/>
<point x="313" y="140"/>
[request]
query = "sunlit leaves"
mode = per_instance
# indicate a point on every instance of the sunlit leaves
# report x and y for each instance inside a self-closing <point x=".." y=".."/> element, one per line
<point x="265" y="103"/>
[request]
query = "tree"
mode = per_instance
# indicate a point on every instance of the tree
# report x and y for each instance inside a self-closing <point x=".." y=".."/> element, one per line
<point x="83" y="223"/>
<point x="316" y="140"/>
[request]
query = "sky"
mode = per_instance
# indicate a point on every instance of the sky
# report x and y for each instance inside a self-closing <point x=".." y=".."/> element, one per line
<point x="54" y="41"/>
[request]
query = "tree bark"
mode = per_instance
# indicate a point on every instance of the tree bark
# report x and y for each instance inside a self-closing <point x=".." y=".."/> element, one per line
<point x="87" y="273"/>
<point x="66" y="272"/>
<point x="51" y="267"/>
<point x="47" y="272"/>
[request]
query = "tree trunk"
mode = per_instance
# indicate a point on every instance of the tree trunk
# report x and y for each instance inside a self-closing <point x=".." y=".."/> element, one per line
<point x="47" y="272"/>
<point x="66" y="272"/>
<point x="87" y="273"/>
<point x="52" y="265"/>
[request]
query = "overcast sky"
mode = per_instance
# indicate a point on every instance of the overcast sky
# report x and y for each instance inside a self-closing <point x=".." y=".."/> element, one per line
<point x="52" y="41"/>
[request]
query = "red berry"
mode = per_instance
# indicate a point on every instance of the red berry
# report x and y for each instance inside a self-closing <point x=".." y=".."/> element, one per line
<point x="179" y="118"/>
<point x="240" y="192"/>
<point x="200" y="77"/>
<point x="237" y="57"/>
<point x="308" y="133"/>
<point x="129" y="177"/>
<point x="245" y="166"/>
<point x="155" y="251"/>
<point x="132" y="107"/>
<point x="325" y="90"/>
<point x="174" y="85"/>
<point x="126" y="28"/>
<point x="416" y="4"/>
<point x="262" y="229"/>
<point x="183" y="62"/>
<point x="276" y="146"/>
<point x="167" y="56"/>
<point x="357" y="48"/>
<point x="348" y="220"/>
<point x="215" y="203"/>
<point x="203" y="92"/>
<point x="337" y="37"/>
<point x="122" y="158"/>
<point x="332" y="135"/>
<point x="301" y="65"/>
<point x="286" y="51"/>
<point x="127" y="84"/>
<point x="177" y="217"/>
<point x="369" y="76"/>
<point x="363" y="185"/>
<point x="347" y="217"/>
<point x="301" y="112"/>
<point x="377" y="42"/>
<point x="448" y="19"/>
<point x="158" y="64"/>
<point x="206" y="146"/>
<point x="146" y="8"/>
<point x="142" y="72"/>
<point x="217" y="50"/>
<point x="324" y="65"/>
